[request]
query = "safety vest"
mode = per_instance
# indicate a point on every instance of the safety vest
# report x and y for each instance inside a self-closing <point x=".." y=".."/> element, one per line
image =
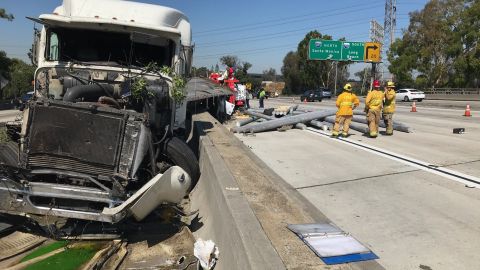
<point x="345" y="103"/>
<point x="389" y="104"/>
<point x="374" y="100"/>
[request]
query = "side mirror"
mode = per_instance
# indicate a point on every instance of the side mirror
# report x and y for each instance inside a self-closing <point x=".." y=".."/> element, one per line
<point x="33" y="54"/>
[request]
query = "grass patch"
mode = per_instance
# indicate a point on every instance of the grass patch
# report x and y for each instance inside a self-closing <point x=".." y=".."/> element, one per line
<point x="44" y="250"/>
<point x="69" y="259"/>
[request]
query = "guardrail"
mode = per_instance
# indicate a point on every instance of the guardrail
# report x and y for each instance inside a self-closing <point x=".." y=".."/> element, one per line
<point x="452" y="91"/>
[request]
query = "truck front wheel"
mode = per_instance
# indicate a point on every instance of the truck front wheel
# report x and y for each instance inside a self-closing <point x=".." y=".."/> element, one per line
<point x="180" y="154"/>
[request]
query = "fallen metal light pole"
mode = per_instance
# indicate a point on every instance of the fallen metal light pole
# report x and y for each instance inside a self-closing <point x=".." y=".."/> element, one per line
<point x="396" y="125"/>
<point x="245" y="121"/>
<point x="301" y="126"/>
<point x="276" y="123"/>
<point x="260" y="115"/>
<point x="319" y="124"/>
<point x="355" y="126"/>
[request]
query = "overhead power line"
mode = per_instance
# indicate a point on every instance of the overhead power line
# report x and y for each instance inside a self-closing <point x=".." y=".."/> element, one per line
<point x="294" y="17"/>
<point x="266" y="36"/>
<point x="256" y="27"/>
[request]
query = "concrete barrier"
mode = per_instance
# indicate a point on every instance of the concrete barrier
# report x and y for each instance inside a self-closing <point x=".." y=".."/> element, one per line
<point x="226" y="218"/>
<point x="245" y="207"/>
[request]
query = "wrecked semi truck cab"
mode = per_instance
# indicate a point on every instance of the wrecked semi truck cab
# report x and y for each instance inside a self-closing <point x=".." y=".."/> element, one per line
<point x="101" y="138"/>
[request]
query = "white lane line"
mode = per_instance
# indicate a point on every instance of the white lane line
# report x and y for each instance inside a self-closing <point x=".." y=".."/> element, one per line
<point x="468" y="180"/>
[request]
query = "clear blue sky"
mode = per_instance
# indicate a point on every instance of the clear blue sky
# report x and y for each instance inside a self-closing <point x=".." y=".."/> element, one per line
<point x="259" y="32"/>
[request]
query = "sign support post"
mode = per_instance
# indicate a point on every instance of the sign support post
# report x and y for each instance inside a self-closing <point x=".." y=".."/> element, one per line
<point x="336" y="72"/>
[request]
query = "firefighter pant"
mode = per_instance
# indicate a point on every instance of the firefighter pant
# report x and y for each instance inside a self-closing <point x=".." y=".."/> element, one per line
<point x="388" y="120"/>
<point x="373" y="117"/>
<point x="344" y="120"/>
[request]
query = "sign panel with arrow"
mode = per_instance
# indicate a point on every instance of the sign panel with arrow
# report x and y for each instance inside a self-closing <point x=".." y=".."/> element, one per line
<point x="372" y="51"/>
<point x="319" y="49"/>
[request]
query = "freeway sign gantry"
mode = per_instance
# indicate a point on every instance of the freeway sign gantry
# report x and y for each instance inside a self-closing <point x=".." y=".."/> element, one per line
<point x="344" y="50"/>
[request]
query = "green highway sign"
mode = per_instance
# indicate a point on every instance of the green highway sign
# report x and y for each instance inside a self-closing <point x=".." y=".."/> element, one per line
<point x="325" y="50"/>
<point x="353" y="51"/>
<point x="335" y="50"/>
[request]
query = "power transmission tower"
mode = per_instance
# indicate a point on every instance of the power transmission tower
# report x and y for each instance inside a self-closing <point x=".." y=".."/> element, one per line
<point x="390" y="22"/>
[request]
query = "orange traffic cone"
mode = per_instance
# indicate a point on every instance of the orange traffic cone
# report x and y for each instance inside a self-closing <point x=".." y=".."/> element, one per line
<point x="467" y="111"/>
<point x="305" y="100"/>
<point x="414" y="107"/>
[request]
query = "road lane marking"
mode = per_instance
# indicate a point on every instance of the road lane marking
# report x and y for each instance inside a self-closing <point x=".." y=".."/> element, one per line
<point x="468" y="180"/>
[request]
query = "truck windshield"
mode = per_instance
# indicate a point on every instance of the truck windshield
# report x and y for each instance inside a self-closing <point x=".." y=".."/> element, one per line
<point x="68" y="44"/>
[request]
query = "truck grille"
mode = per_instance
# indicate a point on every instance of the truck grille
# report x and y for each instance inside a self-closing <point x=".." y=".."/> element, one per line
<point x="75" y="137"/>
<point x="70" y="164"/>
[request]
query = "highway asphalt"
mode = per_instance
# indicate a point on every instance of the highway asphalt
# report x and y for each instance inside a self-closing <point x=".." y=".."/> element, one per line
<point x="411" y="218"/>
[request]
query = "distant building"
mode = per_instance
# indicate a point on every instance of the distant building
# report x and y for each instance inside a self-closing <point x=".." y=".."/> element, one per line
<point x="274" y="88"/>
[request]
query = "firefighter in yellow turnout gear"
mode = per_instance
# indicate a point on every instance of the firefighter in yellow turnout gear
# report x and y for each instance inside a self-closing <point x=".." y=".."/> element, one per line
<point x="389" y="107"/>
<point x="346" y="103"/>
<point x="373" y="106"/>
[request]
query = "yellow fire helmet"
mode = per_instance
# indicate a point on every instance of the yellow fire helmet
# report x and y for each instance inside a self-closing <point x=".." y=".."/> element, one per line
<point x="347" y="87"/>
<point x="390" y="84"/>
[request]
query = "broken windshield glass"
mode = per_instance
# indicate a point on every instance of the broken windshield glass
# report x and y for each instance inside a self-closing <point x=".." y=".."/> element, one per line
<point x="103" y="47"/>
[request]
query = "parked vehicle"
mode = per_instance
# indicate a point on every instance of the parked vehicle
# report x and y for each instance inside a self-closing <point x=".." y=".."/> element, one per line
<point x="101" y="139"/>
<point x="312" y="95"/>
<point x="408" y="94"/>
<point x="326" y="93"/>
<point x="24" y="99"/>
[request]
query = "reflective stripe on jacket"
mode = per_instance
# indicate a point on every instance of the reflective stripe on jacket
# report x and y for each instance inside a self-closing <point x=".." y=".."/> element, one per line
<point x="389" y="105"/>
<point x="374" y="100"/>
<point x="345" y="103"/>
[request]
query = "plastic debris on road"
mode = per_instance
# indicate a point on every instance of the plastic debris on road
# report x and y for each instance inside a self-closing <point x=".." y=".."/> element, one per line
<point x="206" y="252"/>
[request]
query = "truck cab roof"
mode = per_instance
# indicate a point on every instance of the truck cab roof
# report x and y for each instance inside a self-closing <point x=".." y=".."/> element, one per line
<point x="119" y="15"/>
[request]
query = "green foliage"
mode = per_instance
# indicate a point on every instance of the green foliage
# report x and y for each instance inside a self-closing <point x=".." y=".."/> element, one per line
<point x="441" y="44"/>
<point x="5" y="63"/>
<point x="21" y="77"/>
<point x="200" y="72"/>
<point x="139" y="87"/>
<point x="269" y="74"/>
<point x="5" y="15"/>
<point x="291" y="73"/>
<point x="301" y="73"/>
<point x="178" y="90"/>
<point x="229" y="60"/>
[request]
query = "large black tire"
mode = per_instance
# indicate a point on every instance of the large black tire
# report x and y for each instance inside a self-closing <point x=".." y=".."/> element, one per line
<point x="9" y="153"/>
<point x="181" y="155"/>
<point x="406" y="99"/>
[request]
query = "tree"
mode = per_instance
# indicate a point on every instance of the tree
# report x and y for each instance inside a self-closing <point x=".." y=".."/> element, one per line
<point x="21" y="77"/>
<point x="365" y="76"/>
<point x="440" y="46"/>
<point x="291" y="73"/>
<point x="229" y="60"/>
<point x="241" y="73"/>
<point x="200" y="72"/>
<point x="5" y="63"/>
<point x="312" y="74"/>
<point x="269" y="74"/>
<point x="4" y="15"/>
